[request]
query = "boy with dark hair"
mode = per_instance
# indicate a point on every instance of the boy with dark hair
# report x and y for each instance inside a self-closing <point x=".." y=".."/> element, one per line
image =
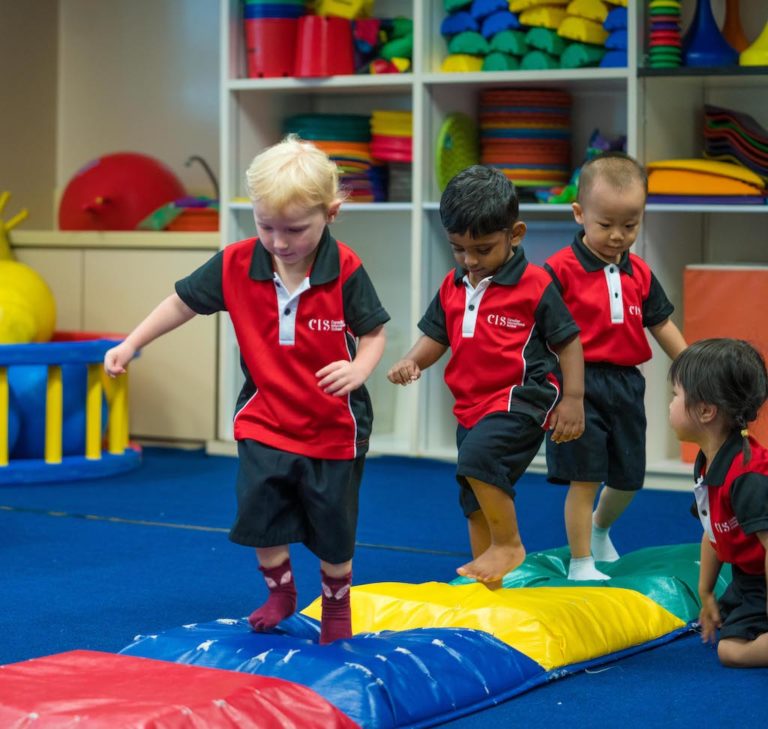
<point x="614" y="297"/>
<point x="506" y="325"/>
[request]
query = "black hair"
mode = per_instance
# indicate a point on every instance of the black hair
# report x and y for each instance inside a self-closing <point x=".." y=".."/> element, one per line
<point x="479" y="201"/>
<point x="727" y="373"/>
<point x="618" y="168"/>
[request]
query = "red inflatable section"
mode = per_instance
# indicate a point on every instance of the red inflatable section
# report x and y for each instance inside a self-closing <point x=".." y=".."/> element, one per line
<point x="116" y="192"/>
<point x="109" y="691"/>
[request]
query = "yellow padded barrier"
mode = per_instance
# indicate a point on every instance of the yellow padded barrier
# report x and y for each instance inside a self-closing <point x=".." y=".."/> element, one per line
<point x="554" y="626"/>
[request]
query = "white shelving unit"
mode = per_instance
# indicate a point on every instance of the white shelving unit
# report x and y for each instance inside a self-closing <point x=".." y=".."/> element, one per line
<point x="402" y="244"/>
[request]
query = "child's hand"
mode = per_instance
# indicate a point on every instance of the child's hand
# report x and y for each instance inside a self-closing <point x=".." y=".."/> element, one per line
<point x="567" y="419"/>
<point x="117" y="358"/>
<point x="709" y="618"/>
<point x="404" y="372"/>
<point x="340" y="378"/>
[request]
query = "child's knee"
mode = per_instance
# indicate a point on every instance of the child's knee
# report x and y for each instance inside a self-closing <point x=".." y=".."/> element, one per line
<point x="730" y="652"/>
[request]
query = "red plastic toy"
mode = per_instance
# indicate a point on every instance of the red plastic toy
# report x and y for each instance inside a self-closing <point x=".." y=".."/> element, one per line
<point x="116" y="192"/>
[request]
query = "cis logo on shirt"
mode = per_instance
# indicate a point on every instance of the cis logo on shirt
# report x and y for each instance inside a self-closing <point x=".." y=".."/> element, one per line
<point x="500" y="320"/>
<point x="635" y="310"/>
<point x="724" y="527"/>
<point x="326" y="325"/>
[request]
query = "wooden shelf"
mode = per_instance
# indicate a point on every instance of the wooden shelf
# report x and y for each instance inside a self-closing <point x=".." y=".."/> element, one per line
<point x="115" y="239"/>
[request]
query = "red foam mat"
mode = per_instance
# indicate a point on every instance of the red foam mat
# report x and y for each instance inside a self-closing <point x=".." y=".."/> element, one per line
<point x="108" y="691"/>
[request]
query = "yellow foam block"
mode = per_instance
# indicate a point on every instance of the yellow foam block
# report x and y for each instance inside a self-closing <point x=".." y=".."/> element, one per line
<point x="554" y="626"/>
<point x="462" y="63"/>
<point x="595" y="10"/>
<point x="711" y="167"/>
<point x="585" y="31"/>
<point x="542" y="17"/>
<point x="517" y="6"/>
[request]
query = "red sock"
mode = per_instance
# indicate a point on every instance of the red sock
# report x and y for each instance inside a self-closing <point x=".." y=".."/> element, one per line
<point x="282" y="597"/>
<point x="336" y="621"/>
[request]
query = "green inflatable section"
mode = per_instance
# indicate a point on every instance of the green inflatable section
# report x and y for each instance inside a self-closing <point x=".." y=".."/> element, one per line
<point x="668" y="575"/>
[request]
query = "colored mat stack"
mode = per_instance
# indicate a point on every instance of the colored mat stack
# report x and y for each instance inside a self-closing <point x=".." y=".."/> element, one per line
<point x="504" y="35"/>
<point x="526" y="134"/>
<point x="664" y="38"/>
<point x="392" y="142"/>
<point x="732" y="136"/>
<point x="345" y="138"/>
<point x="703" y="182"/>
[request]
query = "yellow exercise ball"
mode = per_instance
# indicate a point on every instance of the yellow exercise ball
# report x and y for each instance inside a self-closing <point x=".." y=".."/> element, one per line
<point x="27" y="306"/>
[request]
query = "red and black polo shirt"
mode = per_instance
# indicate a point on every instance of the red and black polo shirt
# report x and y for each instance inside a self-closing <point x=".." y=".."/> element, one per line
<point x="285" y="338"/>
<point x="732" y="502"/>
<point x="611" y="302"/>
<point x="499" y="334"/>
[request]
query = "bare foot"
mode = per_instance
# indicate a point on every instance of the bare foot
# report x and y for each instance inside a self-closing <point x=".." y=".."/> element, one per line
<point x="494" y="563"/>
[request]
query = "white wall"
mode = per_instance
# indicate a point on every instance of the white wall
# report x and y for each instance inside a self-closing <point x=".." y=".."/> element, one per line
<point x="28" y="49"/>
<point x="139" y="76"/>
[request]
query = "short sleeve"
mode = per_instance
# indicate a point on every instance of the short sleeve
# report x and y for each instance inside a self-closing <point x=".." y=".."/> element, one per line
<point x="433" y="322"/>
<point x="203" y="290"/>
<point x="363" y="311"/>
<point x="749" y="499"/>
<point x="553" y="318"/>
<point x="553" y="276"/>
<point x="656" y="307"/>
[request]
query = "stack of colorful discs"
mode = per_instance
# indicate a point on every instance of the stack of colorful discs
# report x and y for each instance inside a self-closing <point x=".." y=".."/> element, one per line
<point x="392" y="136"/>
<point x="392" y="142"/>
<point x="345" y="138"/>
<point x="665" y="39"/>
<point x="526" y="134"/>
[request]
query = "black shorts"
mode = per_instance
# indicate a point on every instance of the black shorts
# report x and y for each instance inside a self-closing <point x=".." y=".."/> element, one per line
<point x="284" y="498"/>
<point x="612" y="448"/>
<point x="497" y="450"/>
<point x="742" y="607"/>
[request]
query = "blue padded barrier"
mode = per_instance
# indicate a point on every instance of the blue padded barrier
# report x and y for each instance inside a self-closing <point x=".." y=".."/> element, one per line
<point x="391" y="679"/>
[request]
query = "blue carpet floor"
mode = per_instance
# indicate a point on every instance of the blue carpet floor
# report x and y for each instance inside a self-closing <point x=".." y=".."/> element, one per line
<point x="91" y="564"/>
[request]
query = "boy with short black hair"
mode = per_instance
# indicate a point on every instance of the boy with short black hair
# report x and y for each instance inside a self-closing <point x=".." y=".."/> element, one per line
<point x="614" y="297"/>
<point x="504" y="321"/>
<point x="310" y="329"/>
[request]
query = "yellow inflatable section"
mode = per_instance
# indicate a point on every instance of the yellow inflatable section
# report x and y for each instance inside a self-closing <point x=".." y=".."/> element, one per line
<point x="554" y="626"/>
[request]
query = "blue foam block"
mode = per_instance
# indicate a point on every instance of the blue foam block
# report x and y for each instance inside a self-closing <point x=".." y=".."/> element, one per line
<point x="617" y="19"/>
<point x="614" y="59"/>
<point x="458" y="23"/>
<point x="481" y="8"/>
<point x="617" y="40"/>
<point x="499" y="21"/>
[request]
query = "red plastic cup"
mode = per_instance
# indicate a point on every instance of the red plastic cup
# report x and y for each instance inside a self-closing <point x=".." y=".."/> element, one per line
<point x="270" y="46"/>
<point x="324" y="47"/>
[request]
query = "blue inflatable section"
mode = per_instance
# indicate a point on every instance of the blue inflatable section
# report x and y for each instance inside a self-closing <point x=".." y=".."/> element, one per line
<point x="413" y="678"/>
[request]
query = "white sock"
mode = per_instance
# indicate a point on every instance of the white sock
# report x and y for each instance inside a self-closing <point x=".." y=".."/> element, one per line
<point x="583" y="568"/>
<point x="601" y="545"/>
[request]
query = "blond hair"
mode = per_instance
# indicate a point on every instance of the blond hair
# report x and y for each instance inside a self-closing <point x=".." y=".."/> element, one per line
<point x="619" y="170"/>
<point x="293" y="172"/>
